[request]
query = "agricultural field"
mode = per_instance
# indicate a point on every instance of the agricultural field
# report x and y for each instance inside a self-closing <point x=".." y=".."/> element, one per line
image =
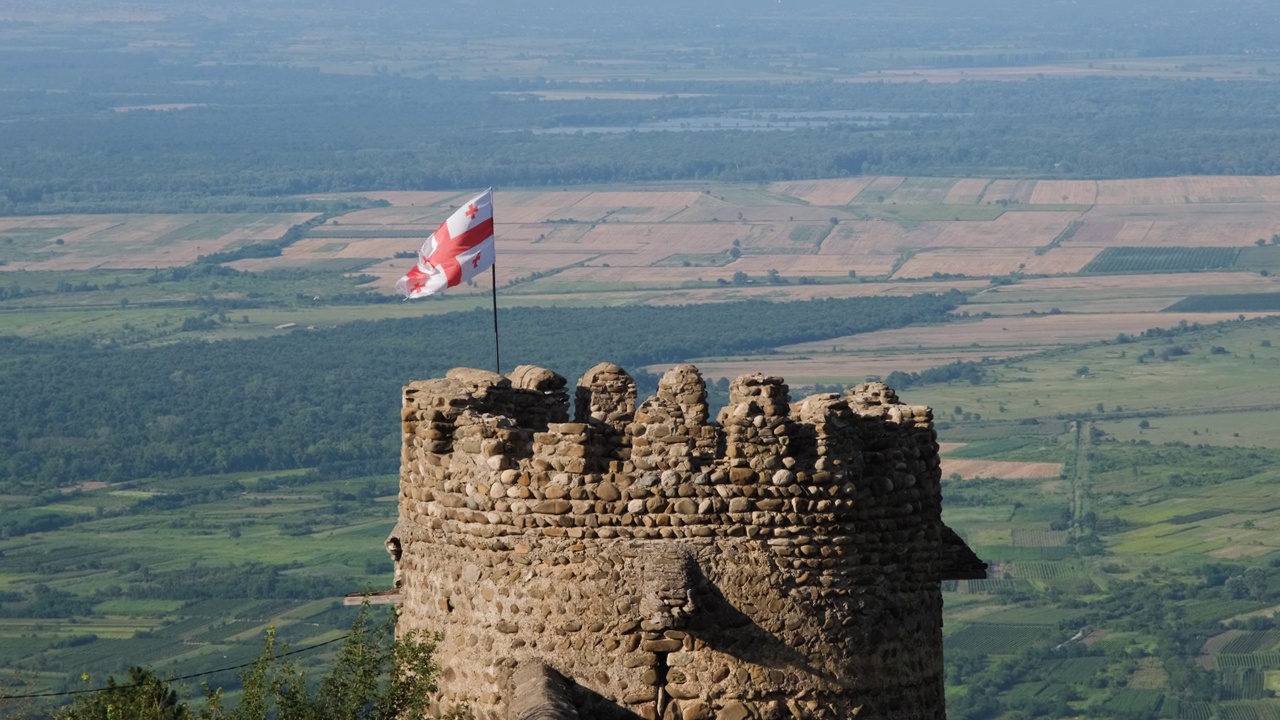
<point x="161" y="572"/>
<point x="1105" y="397"/>
<point x="1108" y="256"/>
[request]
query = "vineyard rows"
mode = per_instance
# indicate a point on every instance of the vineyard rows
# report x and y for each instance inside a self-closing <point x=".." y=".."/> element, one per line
<point x="1252" y="642"/>
<point x="1039" y="538"/>
<point x="1206" y="612"/>
<point x="1250" y="660"/>
<point x="1246" y="684"/>
<point x="1160" y="259"/>
<point x="1041" y="570"/>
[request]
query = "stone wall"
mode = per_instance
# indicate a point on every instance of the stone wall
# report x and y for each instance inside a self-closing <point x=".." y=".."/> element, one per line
<point x="781" y="562"/>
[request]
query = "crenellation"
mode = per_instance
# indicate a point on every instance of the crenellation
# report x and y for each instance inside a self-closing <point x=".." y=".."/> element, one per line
<point x="783" y="559"/>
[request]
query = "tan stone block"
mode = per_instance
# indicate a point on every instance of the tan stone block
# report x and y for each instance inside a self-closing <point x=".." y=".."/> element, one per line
<point x="696" y="711"/>
<point x="552" y="507"/>
<point x="733" y="710"/>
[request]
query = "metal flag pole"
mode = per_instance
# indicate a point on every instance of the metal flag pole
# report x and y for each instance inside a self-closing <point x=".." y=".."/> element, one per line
<point x="497" y="352"/>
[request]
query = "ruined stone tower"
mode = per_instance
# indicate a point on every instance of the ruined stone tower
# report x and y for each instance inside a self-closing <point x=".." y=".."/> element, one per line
<point x="641" y="560"/>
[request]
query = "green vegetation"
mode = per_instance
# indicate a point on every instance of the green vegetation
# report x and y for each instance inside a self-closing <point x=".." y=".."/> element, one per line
<point x="187" y="408"/>
<point x="375" y="676"/>
<point x="1114" y="260"/>
<point x="1250" y="302"/>
<point x="1151" y="546"/>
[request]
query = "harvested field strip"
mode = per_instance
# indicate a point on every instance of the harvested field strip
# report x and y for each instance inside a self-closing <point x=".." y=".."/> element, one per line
<point x="879" y="189"/>
<point x="967" y="191"/>
<point x="1160" y="259"/>
<point x="1183" y="190"/>
<point x="1065" y="192"/>
<point x="990" y="262"/>
<point x="34" y="234"/>
<point x="823" y="192"/>
<point x="1001" y="469"/>
<point x="1067" y="233"/>
<point x="925" y="191"/>
<point x="345" y="232"/>
<point x="1014" y="192"/>
<point x="1096" y="233"/>
<point x="993" y="639"/>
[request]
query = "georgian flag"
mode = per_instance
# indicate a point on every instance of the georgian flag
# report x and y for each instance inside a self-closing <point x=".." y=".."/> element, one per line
<point x="461" y="248"/>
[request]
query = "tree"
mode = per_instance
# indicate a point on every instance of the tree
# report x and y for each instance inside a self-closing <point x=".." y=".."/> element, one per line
<point x="375" y="677"/>
<point x="143" y="697"/>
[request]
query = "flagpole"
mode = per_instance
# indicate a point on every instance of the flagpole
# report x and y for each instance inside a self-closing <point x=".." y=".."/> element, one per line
<point x="497" y="352"/>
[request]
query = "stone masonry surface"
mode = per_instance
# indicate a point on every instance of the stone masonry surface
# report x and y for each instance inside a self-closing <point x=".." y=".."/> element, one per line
<point x="782" y="561"/>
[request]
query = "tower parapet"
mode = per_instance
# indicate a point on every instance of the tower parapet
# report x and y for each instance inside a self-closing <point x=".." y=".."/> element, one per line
<point x="783" y="561"/>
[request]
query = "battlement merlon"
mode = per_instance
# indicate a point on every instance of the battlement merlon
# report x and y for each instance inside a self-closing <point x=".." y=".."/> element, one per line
<point x="481" y="443"/>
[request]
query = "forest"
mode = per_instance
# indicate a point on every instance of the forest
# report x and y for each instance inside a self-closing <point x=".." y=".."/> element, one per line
<point x="327" y="397"/>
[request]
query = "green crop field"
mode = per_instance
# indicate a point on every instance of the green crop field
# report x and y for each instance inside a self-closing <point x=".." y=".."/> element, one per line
<point x="1134" y="703"/>
<point x="1241" y="302"/>
<point x="996" y="639"/>
<point x="1162" y="259"/>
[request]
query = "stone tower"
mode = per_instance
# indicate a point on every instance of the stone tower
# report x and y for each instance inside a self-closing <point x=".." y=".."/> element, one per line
<point x="640" y="560"/>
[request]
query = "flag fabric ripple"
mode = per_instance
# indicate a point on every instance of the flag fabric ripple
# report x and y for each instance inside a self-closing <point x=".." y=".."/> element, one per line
<point x="461" y="248"/>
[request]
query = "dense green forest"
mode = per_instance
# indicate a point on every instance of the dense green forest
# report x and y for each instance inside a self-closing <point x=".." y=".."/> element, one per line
<point x="77" y="411"/>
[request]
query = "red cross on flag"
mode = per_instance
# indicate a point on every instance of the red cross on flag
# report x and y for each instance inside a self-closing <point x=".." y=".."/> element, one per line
<point x="461" y="248"/>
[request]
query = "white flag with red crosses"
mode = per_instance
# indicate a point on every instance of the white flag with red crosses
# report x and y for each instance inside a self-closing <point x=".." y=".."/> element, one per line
<point x="461" y="248"/>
